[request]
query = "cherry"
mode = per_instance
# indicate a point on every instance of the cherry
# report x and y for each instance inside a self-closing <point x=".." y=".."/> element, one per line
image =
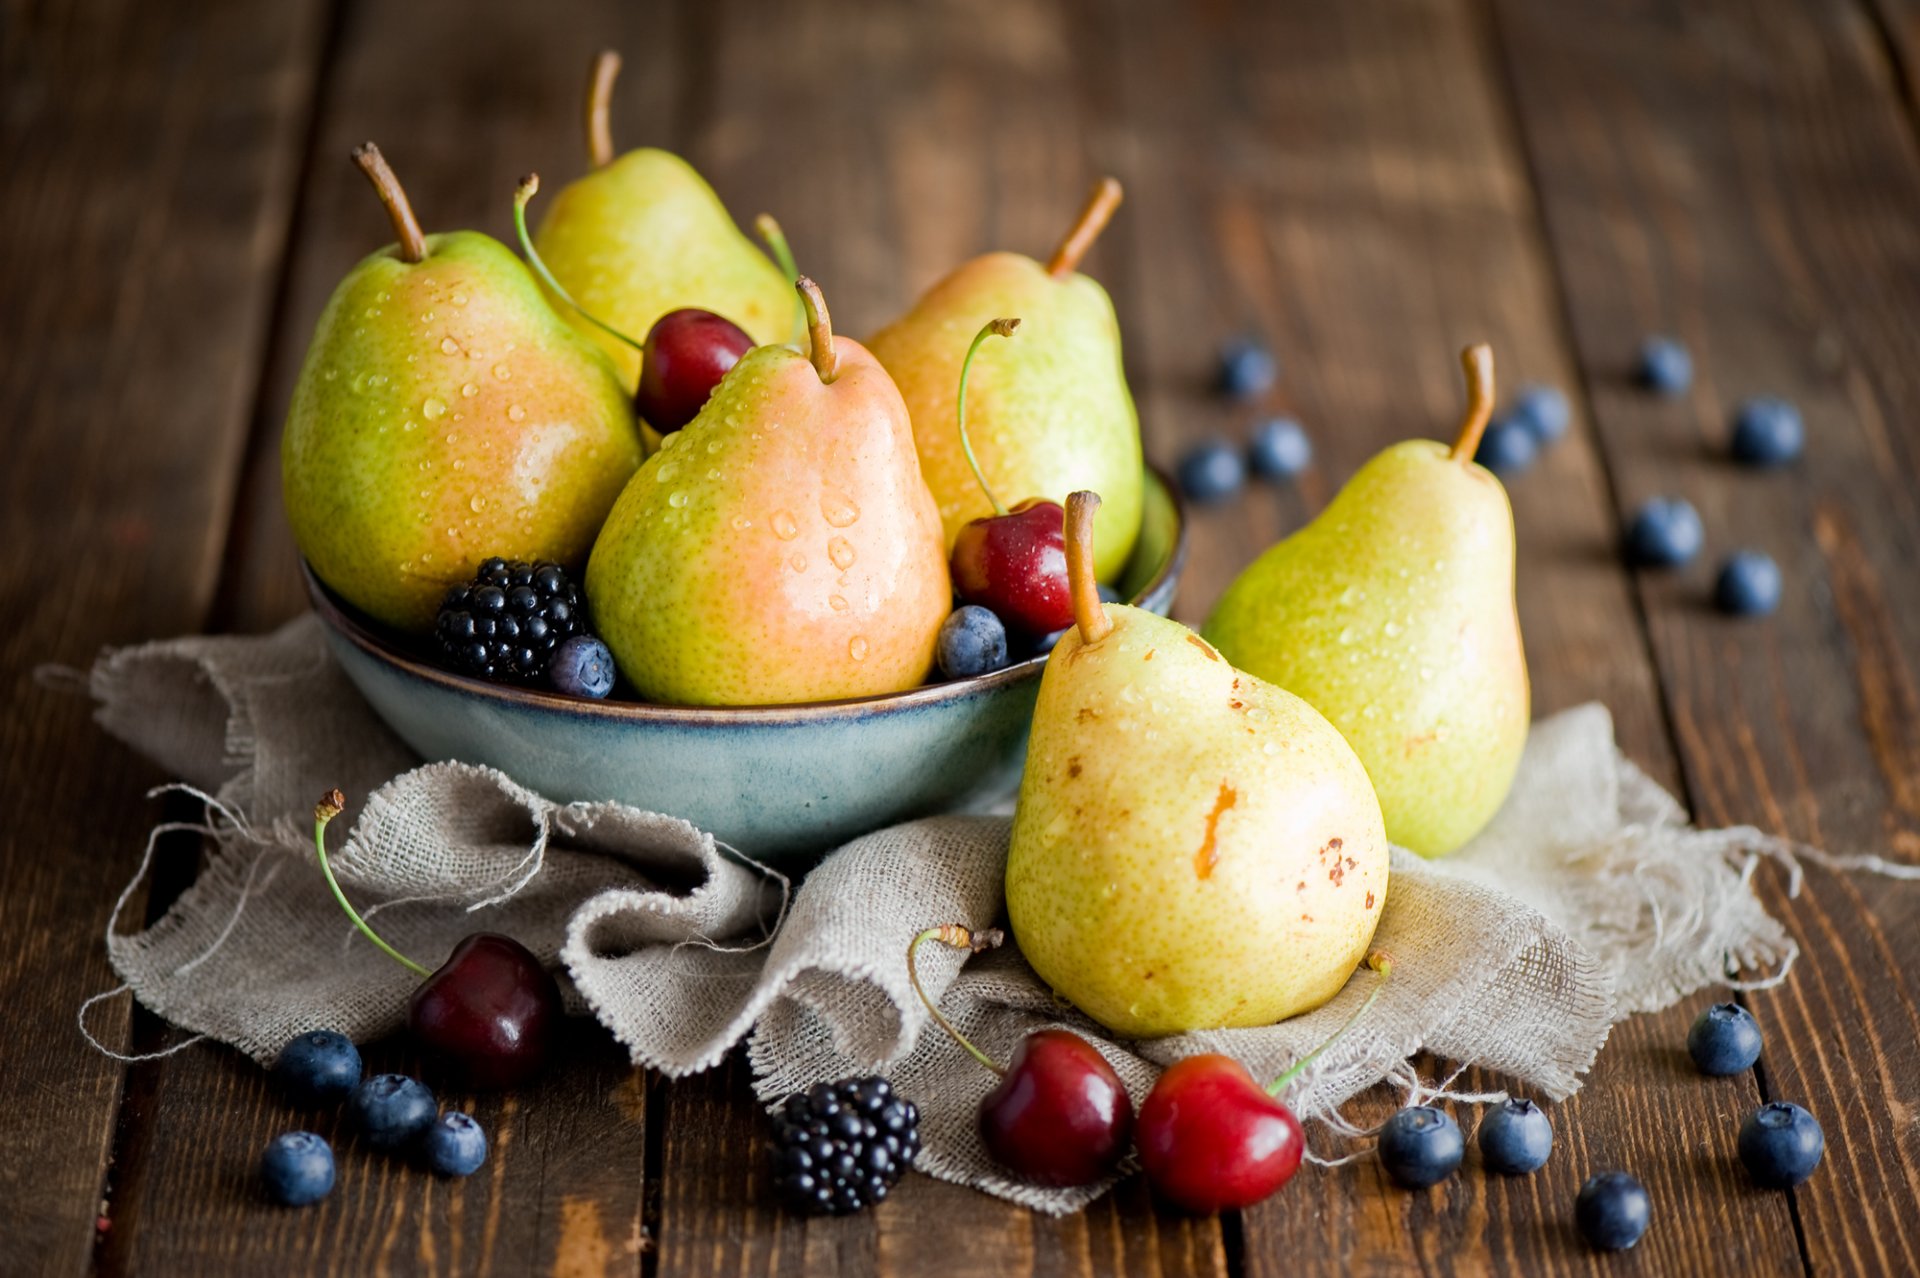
<point x="492" y="1010"/>
<point x="1012" y="561"/>
<point x="686" y="354"/>
<point x="1212" y="1139"/>
<point x="1061" y="1115"/>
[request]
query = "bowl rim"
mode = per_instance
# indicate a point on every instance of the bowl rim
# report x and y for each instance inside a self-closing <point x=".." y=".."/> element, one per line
<point x="340" y="619"/>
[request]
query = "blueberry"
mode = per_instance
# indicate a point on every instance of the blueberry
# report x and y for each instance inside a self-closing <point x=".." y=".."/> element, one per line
<point x="1612" y="1210"/>
<point x="1516" y="1138"/>
<point x="972" y="642"/>
<point x="1666" y="532"/>
<point x="1281" y="449"/>
<point x="1767" y="431"/>
<point x="1748" y="585"/>
<point x="297" y="1169"/>
<point x="455" y="1146"/>
<point x="1544" y="411"/>
<point x="392" y="1110"/>
<point x="1725" y="1039"/>
<point x="581" y="667"/>
<point x="1781" y="1144"/>
<point x="319" y="1068"/>
<point x="1047" y="642"/>
<point x="1508" y="447"/>
<point x="1665" y="366"/>
<point x="1247" y="369"/>
<point x="1420" y="1146"/>
<point x="1212" y="472"/>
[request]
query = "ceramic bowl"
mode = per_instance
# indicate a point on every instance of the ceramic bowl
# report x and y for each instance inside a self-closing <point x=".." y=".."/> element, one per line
<point x="779" y="783"/>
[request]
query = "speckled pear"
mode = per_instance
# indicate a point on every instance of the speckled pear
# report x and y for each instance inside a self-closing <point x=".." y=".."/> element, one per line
<point x="445" y="414"/>
<point x="1048" y="414"/>
<point x="1193" y="848"/>
<point x="1393" y="613"/>
<point x="643" y="234"/>
<point x="781" y="547"/>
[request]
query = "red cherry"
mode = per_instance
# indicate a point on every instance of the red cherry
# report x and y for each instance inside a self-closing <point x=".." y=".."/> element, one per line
<point x="1211" y="1139"/>
<point x="492" y="1010"/>
<point x="1016" y="565"/>
<point x="1060" y="1116"/>
<point x="686" y="354"/>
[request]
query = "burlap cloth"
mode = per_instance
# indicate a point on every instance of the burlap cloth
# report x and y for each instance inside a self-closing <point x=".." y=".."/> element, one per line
<point x="1588" y="898"/>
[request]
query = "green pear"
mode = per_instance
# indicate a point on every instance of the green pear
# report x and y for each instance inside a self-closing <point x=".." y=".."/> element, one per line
<point x="1393" y="613"/>
<point x="780" y="547"/>
<point x="644" y="234"/>
<point x="1193" y="848"/>
<point x="1049" y="414"/>
<point x="445" y="414"/>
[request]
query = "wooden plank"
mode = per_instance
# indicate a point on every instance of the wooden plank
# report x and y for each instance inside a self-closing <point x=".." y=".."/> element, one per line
<point x="138" y="268"/>
<point x="1344" y="181"/>
<point x="1753" y="187"/>
<point x="563" y="1190"/>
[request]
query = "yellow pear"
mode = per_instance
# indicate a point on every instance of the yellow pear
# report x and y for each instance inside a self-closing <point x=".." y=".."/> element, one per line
<point x="1193" y="848"/>
<point x="1393" y="614"/>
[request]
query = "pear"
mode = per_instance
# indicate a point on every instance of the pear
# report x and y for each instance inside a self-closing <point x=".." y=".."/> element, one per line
<point x="1049" y="414"/>
<point x="781" y="546"/>
<point x="1193" y="848"/>
<point x="1393" y="613"/>
<point x="445" y="414"/>
<point x="644" y="234"/>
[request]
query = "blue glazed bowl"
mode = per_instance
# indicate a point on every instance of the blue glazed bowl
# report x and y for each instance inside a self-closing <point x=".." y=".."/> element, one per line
<point x="781" y="784"/>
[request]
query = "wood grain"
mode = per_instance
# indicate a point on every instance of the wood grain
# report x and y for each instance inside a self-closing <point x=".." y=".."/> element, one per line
<point x="1752" y="187"/>
<point x="1297" y="176"/>
<point x="137" y="264"/>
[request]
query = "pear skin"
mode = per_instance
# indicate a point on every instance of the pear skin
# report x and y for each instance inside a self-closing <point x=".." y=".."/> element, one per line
<point x="1193" y="848"/>
<point x="445" y="414"/>
<point x="1393" y="614"/>
<point x="781" y="547"/>
<point x="644" y="234"/>
<point x="1048" y="414"/>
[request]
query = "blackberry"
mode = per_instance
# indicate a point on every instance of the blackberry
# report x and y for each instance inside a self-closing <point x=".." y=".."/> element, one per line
<point x="506" y="622"/>
<point x="840" y="1147"/>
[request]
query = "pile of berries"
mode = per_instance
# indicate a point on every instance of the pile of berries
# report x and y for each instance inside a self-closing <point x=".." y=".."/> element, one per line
<point x="519" y="622"/>
<point x="841" y="1147"/>
<point x="393" y="1113"/>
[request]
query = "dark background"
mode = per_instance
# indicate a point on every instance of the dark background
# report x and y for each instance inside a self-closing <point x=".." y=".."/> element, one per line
<point x="1366" y="185"/>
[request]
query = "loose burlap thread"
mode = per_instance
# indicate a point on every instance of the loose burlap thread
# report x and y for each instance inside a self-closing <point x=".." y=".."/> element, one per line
<point x="1589" y="897"/>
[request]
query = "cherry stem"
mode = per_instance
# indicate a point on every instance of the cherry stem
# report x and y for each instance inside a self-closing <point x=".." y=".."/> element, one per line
<point x="1381" y="962"/>
<point x="1082" y="586"/>
<point x="826" y="360"/>
<point x="994" y="328"/>
<point x="1093" y="219"/>
<point x="406" y="227"/>
<point x="1477" y="360"/>
<point x="776" y="241"/>
<point x="606" y="69"/>
<point x="959" y="938"/>
<point x="523" y="193"/>
<point x="327" y="809"/>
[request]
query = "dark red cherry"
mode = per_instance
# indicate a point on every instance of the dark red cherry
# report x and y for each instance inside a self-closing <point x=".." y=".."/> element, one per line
<point x="1212" y="1139"/>
<point x="687" y="352"/>
<point x="1016" y="565"/>
<point x="491" y="1010"/>
<point x="1060" y="1116"/>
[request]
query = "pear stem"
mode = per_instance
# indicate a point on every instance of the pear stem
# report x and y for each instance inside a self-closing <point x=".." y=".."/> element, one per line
<point x="327" y="809"/>
<point x="522" y="193"/>
<point x="960" y="939"/>
<point x="1083" y="587"/>
<point x="776" y="241"/>
<point x="1477" y="360"/>
<point x="993" y="328"/>
<point x="606" y="69"/>
<point x="1381" y="962"/>
<point x="1093" y="219"/>
<point x="826" y="360"/>
<point x="406" y="227"/>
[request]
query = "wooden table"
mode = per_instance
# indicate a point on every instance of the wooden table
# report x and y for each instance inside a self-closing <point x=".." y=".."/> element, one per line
<point x="1369" y="185"/>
